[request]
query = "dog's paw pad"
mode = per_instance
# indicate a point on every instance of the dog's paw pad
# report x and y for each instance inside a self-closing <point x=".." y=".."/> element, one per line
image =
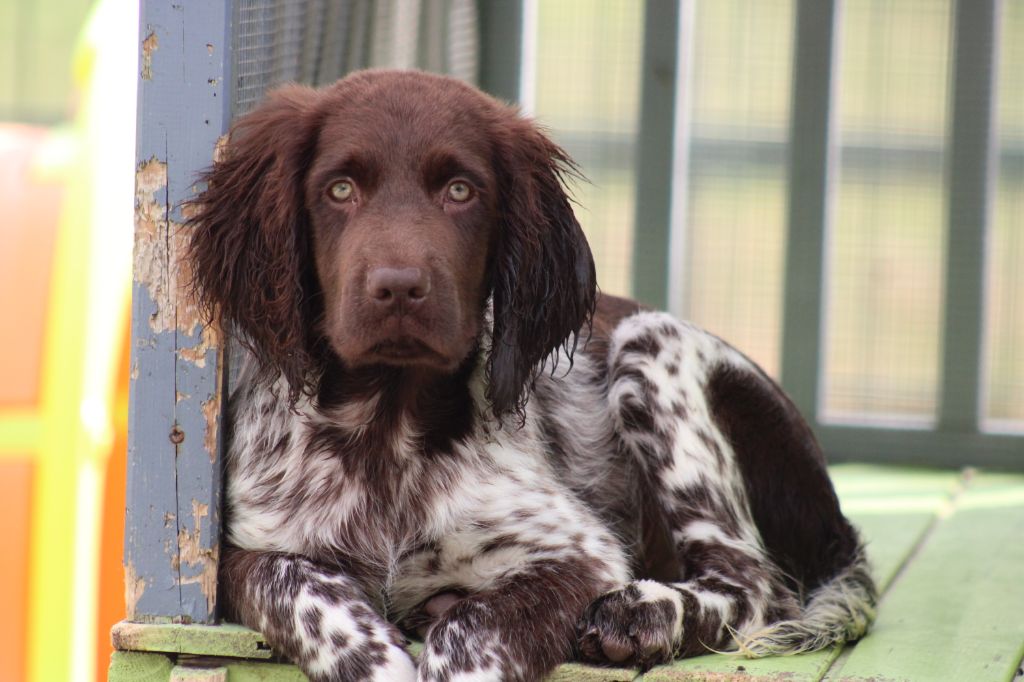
<point x="640" y="624"/>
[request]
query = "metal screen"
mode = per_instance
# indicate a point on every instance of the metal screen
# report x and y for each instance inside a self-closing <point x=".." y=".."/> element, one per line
<point x="319" y="41"/>
<point x="846" y="197"/>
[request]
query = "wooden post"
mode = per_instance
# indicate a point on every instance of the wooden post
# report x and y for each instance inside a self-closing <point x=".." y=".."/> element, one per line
<point x="172" y="541"/>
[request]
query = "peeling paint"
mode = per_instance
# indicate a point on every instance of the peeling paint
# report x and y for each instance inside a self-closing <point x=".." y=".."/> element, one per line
<point x="159" y="263"/>
<point x="191" y="553"/>
<point x="209" y="49"/>
<point x="134" y="586"/>
<point x="168" y="519"/>
<point x="134" y="371"/>
<point x="209" y="339"/>
<point x="150" y="44"/>
<point x="150" y="257"/>
<point x="211" y="413"/>
<point x="220" y="147"/>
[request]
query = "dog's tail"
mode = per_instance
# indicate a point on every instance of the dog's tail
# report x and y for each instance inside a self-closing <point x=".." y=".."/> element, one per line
<point x="840" y="610"/>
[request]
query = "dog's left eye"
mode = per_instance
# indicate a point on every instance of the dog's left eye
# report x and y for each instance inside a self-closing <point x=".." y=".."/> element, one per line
<point x="341" y="190"/>
<point x="459" y="191"/>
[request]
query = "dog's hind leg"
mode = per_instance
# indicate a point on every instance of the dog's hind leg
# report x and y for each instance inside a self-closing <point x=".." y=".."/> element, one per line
<point x="729" y="586"/>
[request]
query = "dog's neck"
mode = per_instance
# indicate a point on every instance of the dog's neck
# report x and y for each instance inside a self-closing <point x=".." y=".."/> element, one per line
<point x="439" y="408"/>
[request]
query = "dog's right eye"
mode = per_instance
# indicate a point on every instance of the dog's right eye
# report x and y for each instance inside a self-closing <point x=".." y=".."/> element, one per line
<point x="341" y="190"/>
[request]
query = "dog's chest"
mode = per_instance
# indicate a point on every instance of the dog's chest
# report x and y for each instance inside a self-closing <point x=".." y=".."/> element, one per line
<point x="310" y="483"/>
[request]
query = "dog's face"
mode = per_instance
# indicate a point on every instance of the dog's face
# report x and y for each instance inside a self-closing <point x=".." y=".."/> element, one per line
<point x="401" y="196"/>
<point x="372" y="219"/>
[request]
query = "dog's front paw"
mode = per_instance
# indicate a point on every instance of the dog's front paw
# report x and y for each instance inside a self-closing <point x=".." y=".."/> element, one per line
<point x="640" y="624"/>
<point x="462" y="646"/>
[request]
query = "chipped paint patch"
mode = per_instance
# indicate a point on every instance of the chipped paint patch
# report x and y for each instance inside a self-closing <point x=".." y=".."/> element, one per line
<point x="134" y="586"/>
<point x="149" y="45"/>
<point x="191" y="553"/>
<point x="159" y="263"/>
<point x="151" y="254"/>
<point x="220" y="148"/>
<point x="209" y="339"/>
<point x="211" y="413"/>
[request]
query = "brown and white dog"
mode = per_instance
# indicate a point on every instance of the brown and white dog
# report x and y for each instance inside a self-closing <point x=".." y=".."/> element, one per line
<point x="442" y="428"/>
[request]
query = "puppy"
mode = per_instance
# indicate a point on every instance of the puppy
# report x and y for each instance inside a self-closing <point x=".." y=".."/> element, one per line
<point x="441" y="427"/>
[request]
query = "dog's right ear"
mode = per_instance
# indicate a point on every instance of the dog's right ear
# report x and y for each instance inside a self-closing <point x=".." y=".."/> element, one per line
<point x="249" y="237"/>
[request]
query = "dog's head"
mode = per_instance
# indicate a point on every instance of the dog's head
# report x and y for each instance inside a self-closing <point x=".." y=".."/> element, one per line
<point x="372" y="220"/>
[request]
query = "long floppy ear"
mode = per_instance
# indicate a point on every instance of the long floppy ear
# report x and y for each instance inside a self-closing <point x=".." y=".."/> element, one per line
<point x="249" y="238"/>
<point x="543" y="271"/>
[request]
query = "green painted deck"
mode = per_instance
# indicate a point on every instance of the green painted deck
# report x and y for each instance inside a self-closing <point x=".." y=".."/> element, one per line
<point x="947" y="550"/>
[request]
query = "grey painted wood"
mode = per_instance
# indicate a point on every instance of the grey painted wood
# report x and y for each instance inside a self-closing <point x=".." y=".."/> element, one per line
<point x="174" y="478"/>
<point x="501" y="47"/>
<point x="970" y="175"/>
<point x="811" y="171"/>
<point x="655" y="153"/>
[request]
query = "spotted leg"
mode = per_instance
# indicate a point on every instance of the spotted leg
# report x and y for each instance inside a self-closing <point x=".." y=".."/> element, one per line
<point x="727" y="586"/>
<point x="315" y="616"/>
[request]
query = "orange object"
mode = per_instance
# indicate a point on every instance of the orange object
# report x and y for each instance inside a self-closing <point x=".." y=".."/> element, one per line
<point x="27" y="232"/>
<point x="15" y="483"/>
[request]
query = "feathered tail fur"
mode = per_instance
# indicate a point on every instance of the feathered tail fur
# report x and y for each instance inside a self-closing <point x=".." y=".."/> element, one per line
<point x="839" y="611"/>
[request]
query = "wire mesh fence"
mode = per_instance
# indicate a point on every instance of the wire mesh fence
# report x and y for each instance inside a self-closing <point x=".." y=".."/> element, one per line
<point x="319" y="41"/>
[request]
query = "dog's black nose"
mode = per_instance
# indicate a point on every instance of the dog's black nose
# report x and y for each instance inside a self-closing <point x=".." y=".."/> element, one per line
<point x="390" y="286"/>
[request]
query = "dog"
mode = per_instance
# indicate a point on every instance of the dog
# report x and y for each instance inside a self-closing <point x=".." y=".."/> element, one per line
<point x="442" y="429"/>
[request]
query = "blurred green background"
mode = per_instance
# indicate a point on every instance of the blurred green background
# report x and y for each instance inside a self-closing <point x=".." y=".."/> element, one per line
<point x="37" y="39"/>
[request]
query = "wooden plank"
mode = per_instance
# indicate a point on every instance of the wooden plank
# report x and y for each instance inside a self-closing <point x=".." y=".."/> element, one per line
<point x="227" y="639"/>
<point x="893" y="508"/>
<point x="192" y="673"/>
<point x="132" y="666"/>
<point x="719" y="668"/>
<point x="955" y="613"/>
<point x="577" y="672"/>
<point x="244" y="671"/>
<point x="173" y="509"/>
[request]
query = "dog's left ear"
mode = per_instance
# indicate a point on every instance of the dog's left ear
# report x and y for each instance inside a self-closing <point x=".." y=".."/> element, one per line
<point x="544" y="285"/>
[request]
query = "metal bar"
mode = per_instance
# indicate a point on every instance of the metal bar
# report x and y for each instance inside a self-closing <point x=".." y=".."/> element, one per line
<point x="925" y="447"/>
<point x="682" y="150"/>
<point x="970" y="175"/>
<point x="811" y="173"/>
<point x="172" y="525"/>
<point x="655" y="153"/>
<point x="501" y="47"/>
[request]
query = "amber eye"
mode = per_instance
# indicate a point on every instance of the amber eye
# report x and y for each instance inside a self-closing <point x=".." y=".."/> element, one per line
<point x="341" y="190"/>
<point x="459" y="191"/>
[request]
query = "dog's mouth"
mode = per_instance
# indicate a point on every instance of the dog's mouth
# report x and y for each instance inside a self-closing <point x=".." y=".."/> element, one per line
<point x="406" y="350"/>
